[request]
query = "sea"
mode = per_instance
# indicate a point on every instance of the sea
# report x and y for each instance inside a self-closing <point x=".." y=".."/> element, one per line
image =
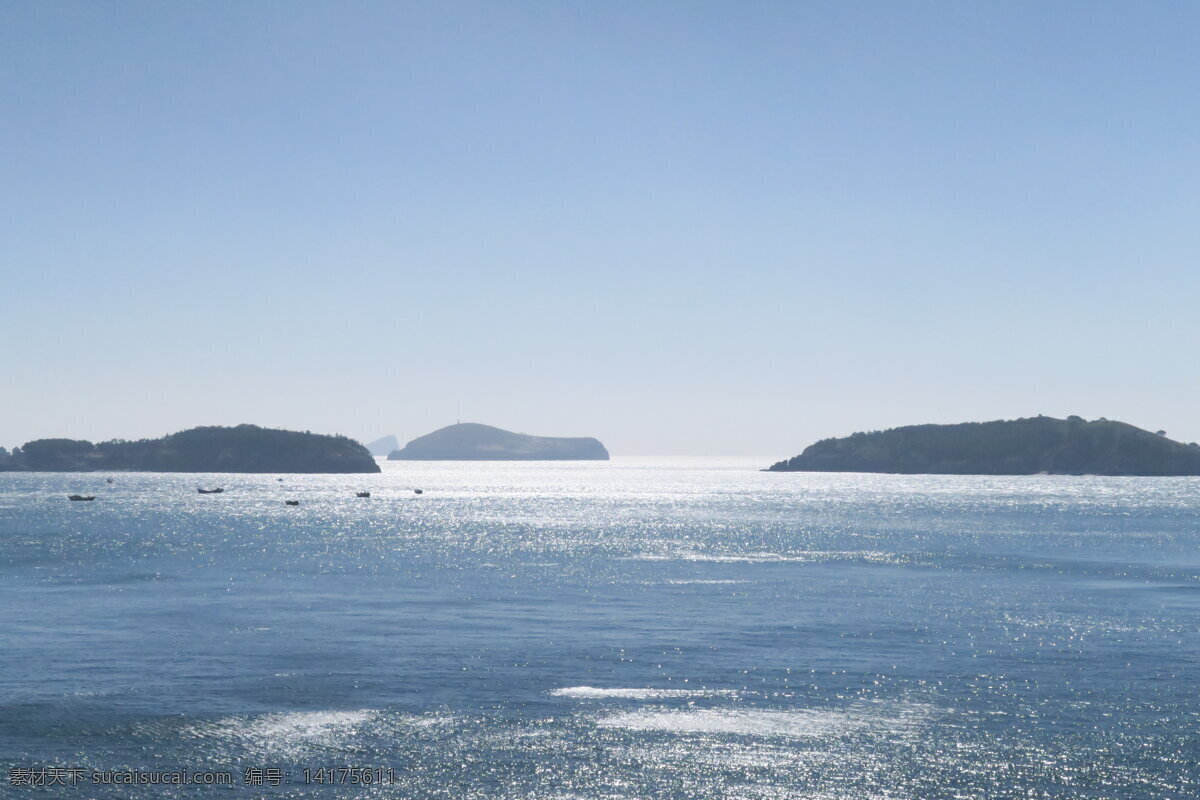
<point x="638" y="628"/>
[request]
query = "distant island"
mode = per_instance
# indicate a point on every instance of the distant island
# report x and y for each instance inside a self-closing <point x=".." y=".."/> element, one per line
<point x="1071" y="446"/>
<point x="245" y="448"/>
<point x="469" y="441"/>
<point x="383" y="446"/>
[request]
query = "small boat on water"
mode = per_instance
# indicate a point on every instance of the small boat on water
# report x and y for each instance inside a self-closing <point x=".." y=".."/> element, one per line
<point x="362" y="494"/>
<point x="81" y="497"/>
<point x="108" y="480"/>
<point x="217" y="490"/>
<point x="292" y="502"/>
<point x="418" y="491"/>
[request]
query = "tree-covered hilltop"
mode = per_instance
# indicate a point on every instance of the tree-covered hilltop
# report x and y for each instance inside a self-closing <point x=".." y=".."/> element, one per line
<point x="245" y="448"/>
<point x="1071" y="446"/>
<point x="470" y="441"/>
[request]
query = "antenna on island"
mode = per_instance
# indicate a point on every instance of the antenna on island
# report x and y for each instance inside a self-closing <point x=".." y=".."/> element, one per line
<point x="458" y="419"/>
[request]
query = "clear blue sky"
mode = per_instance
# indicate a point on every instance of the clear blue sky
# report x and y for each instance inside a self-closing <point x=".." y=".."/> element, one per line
<point x="691" y="227"/>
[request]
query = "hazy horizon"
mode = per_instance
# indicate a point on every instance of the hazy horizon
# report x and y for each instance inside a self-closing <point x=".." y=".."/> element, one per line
<point x="404" y="438"/>
<point x="682" y="228"/>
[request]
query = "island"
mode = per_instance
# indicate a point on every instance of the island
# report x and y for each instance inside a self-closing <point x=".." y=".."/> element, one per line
<point x="1034" y="445"/>
<point x="470" y="441"/>
<point x="244" y="448"/>
<point x="383" y="445"/>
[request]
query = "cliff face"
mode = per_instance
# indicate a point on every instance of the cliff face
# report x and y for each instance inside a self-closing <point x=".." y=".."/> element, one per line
<point x="245" y="448"/>
<point x="470" y="441"/>
<point x="1006" y="447"/>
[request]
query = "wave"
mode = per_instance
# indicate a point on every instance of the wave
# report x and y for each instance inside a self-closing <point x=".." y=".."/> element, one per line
<point x="802" y="557"/>
<point x="792" y="724"/>
<point x="722" y="557"/>
<point x="290" y="732"/>
<point x="702" y="582"/>
<point x="594" y="693"/>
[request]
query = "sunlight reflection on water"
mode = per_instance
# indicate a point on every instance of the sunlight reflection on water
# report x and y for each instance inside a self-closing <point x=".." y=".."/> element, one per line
<point x="641" y="627"/>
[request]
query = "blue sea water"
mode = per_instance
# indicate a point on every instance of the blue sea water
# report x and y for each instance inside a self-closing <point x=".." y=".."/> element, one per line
<point x="641" y="628"/>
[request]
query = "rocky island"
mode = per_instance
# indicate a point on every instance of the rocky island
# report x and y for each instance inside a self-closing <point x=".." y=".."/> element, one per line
<point x="1071" y="446"/>
<point x="244" y="448"/>
<point x="470" y="441"/>
<point x="383" y="446"/>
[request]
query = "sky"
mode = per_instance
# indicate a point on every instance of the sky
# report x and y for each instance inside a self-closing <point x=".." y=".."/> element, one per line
<point x="689" y="228"/>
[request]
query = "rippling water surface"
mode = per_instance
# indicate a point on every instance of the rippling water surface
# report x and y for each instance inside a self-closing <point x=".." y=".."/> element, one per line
<point x="632" y="629"/>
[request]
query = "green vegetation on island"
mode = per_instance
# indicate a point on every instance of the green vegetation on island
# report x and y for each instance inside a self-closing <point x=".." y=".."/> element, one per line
<point x="469" y="441"/>
<point x="1034" y="445"/>
<point x="244" y="448"/>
